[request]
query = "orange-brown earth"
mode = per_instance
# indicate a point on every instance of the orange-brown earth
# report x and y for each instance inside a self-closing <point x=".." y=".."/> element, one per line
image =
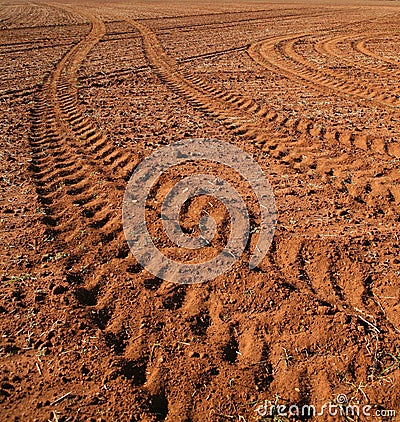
<point x="88" y="90"/>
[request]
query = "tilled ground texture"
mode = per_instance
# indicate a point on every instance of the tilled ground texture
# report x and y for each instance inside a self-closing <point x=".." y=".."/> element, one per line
<point x="88" y="90"/>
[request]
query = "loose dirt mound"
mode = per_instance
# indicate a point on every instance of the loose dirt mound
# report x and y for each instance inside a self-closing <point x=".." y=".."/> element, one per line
<point x="87" y="92"/>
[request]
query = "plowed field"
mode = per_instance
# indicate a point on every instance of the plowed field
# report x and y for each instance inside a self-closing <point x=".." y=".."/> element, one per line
<point x="311" y="91"/>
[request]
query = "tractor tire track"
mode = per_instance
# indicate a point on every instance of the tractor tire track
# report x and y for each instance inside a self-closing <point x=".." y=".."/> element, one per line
<point x="243" y="115"/>
<point x="246" y="118"/>
<point x="329" y="47"/>
<point x="278" y="52"/>
<point x="361" y="46"/>
<point x="80" y="173"/>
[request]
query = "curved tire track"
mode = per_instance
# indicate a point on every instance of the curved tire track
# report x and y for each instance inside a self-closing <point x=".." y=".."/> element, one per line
<point x="243" y="115"/>
<point x="79" y="171"/>
<point x="246" y="118"/>
<point x="278" y="54"/>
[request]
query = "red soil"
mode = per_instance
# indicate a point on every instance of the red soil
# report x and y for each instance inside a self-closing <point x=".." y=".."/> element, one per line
<point x="312" y="92"/>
